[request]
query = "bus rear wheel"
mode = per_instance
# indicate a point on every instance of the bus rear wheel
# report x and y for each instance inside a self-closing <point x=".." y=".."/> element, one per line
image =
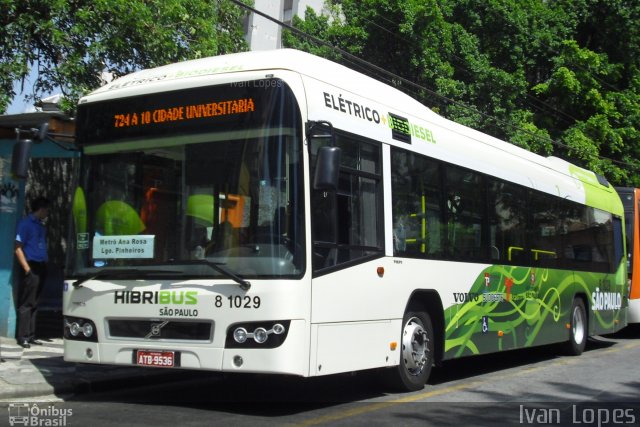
<point x="416" y="353"/>
<point x="578" y="331"/>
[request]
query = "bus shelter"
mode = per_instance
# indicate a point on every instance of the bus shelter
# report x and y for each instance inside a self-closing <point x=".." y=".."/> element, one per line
<point x="57" y="144"/>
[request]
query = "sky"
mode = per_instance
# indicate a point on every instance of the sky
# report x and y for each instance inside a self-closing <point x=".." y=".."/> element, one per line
<point x="19" y="106"/>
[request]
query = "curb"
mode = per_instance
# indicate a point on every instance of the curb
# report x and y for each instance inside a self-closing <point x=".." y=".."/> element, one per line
<point x="57" y="377"/>
<point x="92" y="385"/>
<point x="26" y="390"/>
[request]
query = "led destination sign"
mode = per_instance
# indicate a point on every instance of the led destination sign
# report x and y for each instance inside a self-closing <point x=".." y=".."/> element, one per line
<point x="182" y="112"/>
<point x="229" y="107"/>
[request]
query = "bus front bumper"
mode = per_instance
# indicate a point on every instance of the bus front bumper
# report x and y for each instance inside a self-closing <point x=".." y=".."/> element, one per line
<point x="289" y="358"/>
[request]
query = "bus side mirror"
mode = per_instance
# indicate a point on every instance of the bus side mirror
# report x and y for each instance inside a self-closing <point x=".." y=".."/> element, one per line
<point x="327" y="169"/>
<point x="20" y="157"/>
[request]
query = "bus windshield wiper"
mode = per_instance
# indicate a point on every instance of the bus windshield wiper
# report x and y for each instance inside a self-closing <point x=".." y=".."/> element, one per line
<point x="218" y="266"/>
<point x="119" y="273"/>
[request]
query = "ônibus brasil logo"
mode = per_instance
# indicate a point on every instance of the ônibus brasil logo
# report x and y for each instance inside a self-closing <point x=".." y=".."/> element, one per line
<point x="30" y="414"/>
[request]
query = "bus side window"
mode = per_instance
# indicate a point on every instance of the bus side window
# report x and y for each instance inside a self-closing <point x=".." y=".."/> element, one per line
<point x="466" y="214"/>
<point x="417" y="205"/>
<point x="545" y="239"/>
<point x="508" y="221"/>
<point x="347" y="224"/>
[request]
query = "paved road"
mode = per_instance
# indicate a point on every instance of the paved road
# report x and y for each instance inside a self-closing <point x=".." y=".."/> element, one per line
<point x="532" y="387"/>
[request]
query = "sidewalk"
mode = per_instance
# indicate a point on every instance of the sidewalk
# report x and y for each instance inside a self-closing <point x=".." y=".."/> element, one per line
<point x="41" y="370"/>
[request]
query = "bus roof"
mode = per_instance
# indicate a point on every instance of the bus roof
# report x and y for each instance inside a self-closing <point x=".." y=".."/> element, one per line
<point x="598" y="192"/>
<point x="279" y="59"/>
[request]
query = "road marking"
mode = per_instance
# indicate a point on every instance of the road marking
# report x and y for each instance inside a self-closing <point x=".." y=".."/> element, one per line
<point x="382" y="405"/>
<point x="338" y="416"/>
<point x="614" y="349"/>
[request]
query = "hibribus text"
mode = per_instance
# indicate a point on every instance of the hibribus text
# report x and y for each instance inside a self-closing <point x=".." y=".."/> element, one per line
<point x="156" y="297"/>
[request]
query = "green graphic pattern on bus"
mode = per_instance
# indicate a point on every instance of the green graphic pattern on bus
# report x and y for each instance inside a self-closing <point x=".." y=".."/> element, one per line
<point x="512" y="307"/>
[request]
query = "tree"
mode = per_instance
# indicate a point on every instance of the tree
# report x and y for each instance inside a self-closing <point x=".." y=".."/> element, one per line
<point x="600" y="131"/>
<point x="71" y="42"/>
<point x="557" y="78"/>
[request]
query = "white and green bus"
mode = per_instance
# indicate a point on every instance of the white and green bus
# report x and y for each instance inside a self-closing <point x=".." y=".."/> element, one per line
<point x="274" y="212"/>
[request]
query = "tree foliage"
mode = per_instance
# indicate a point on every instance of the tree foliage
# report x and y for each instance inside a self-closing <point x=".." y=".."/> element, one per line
<point x="559" y="78"/>
<point x="71" y="42"/>
<point x="50" y="177"/>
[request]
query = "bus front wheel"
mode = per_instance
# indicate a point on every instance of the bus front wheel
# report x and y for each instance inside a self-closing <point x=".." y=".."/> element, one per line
<point x="577" y="329"/>
<point x="416" y="353"/>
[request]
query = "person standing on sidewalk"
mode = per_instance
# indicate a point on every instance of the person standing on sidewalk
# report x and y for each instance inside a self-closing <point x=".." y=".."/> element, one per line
<point x="31" y="252"/>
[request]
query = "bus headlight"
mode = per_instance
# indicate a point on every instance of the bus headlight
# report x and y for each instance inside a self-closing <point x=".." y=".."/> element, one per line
<point x="240" y="335"/>
<point x="76" y="328"/>
<point x="260" y="335"/>
<point x="87" y="330"/>
<point x="257" y="334"/>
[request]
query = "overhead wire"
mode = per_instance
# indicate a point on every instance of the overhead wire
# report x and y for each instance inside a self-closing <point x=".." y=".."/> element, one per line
<point x="366" y="65"/>
<point x="549" y="107"/>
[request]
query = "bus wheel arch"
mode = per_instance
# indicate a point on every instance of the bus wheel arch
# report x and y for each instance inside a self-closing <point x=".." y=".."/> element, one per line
<point x="428" y="300"/>
<point x="578" y="326"/>
<point x="420" y="343"/>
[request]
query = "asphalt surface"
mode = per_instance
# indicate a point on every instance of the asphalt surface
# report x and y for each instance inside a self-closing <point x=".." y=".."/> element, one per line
<point x="41" y="371"/>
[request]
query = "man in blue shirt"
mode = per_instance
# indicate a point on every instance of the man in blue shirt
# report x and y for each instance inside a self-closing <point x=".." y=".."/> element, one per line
<point x="31" y="252"/>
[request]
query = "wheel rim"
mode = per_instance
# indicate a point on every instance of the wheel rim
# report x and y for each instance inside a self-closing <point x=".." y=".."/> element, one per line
<point x="578" y="325"/>
<point x="415" y="346"/>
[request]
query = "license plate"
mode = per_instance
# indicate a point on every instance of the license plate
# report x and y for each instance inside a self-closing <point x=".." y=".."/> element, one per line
<point x="163" y="359"/>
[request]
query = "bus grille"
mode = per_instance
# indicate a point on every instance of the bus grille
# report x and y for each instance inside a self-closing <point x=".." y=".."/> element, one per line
<point x="160" y="329"/>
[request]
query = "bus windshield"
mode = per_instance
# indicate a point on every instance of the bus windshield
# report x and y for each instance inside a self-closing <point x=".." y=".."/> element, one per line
<point x="229" y="196"/>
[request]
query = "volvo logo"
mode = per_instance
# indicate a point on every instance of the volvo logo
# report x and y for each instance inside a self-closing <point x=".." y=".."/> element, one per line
<point x="156" y="329"/>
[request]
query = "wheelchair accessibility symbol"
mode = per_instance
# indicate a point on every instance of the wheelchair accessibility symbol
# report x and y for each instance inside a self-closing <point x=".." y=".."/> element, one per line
<point x="485" y="324"/>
